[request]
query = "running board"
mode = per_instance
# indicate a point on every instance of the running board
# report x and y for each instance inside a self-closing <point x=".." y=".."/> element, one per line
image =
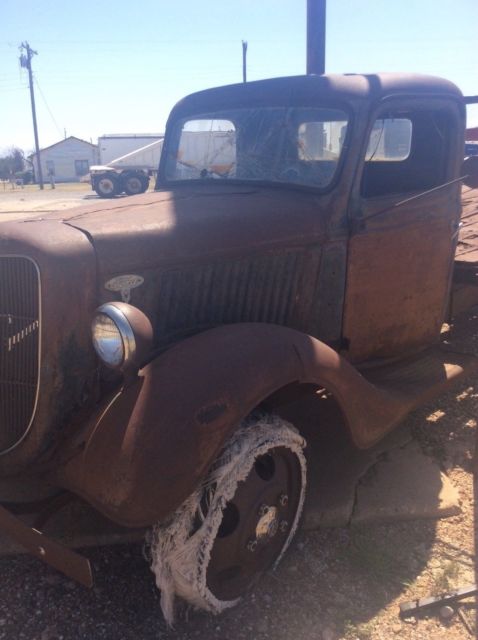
<point x="423" y="377"/>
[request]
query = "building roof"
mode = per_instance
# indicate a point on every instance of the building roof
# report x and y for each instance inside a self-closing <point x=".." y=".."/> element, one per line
<point x="55" y="144"/>
<point x="131" y="135"/>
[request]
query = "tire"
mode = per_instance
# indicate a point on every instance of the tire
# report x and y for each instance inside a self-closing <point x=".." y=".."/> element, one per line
<point x="238" y="524"/>
<point x="145" y="180"/>
<point x="134" y="183"/>
<point x="106" y="185"/>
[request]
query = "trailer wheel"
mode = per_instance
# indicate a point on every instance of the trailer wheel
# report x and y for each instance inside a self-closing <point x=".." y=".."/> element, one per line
<point x="145" y="181"/>
<point x="134" y="183"/>
<point x="107" y="185"/>
<point x="238" y="524"/>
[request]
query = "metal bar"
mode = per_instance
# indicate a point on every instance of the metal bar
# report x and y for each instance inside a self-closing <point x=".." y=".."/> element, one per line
<point x="69" y="562"/>
<point x="464" y="619"/>
<point x="410" y="199"/>
<point x="413" y="607"/>
<point x="471" y="99"/>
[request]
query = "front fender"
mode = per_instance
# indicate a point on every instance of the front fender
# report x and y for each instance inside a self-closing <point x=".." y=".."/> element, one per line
<point x="157" y="438"/>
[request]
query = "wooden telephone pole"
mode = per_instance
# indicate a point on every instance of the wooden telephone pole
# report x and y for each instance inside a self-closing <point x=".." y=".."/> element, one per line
<point x="244" y="61"/>
<point x="316" y="36"/>
<point x="26" y="62"/>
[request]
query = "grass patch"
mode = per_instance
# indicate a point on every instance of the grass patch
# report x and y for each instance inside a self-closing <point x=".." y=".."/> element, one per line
<point x="446" y="577"/>
<point x="362" y="631"/>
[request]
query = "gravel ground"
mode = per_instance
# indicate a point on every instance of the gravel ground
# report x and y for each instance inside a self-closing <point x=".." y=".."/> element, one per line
<point x="334" y="584"/>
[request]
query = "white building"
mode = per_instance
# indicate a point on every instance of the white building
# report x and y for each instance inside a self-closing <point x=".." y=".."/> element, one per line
<point x="67" y="160"/>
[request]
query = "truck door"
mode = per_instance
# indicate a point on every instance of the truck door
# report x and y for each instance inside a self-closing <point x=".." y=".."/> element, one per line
<point x="401" y="247"/>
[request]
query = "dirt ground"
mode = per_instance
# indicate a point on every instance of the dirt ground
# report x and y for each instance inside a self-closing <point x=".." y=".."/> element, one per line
<point x="334" y="584"/>
<point x="29" y="200"/>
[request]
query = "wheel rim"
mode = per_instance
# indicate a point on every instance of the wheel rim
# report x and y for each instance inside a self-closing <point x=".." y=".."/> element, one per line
<point x="106" y="186"/>
<point x="256" y="524"/>
<point x="134" y="185"/>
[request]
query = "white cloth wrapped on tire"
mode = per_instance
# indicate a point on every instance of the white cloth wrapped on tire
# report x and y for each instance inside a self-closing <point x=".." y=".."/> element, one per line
<point x="179" y="551"/>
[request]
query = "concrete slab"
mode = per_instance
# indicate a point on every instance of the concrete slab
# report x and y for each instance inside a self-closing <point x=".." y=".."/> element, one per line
<point x="335" y="475"/>
<point x="393" y="480"/>
<point x="404" y="484"/>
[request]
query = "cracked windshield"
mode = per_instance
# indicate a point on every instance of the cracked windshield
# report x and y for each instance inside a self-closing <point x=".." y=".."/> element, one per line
<point x="290" y="145"/>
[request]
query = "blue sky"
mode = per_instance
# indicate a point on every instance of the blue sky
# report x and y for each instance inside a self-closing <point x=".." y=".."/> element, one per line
<point x="119" y="67"/>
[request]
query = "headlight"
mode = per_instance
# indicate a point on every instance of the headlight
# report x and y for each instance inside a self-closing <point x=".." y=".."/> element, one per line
<point x="121" y="334"/>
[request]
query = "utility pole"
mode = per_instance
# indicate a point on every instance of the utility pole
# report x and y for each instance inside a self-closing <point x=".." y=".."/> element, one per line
<point x="244" y="61"/>
<point x="316" y="36"/>
<point x="26" y="62"/>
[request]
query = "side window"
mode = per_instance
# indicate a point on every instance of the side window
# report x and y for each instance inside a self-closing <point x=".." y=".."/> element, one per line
<point x="407" y="152"/>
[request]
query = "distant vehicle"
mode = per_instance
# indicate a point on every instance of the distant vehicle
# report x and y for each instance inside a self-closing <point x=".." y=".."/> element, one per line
<point x="130" y="173"/>
<point x="471" y="149"/>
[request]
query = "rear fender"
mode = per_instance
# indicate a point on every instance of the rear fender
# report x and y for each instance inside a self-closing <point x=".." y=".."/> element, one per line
<point x="158" y="437"/>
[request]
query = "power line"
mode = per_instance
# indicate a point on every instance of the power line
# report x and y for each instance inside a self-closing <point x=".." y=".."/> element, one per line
<point x="48" y="108"/>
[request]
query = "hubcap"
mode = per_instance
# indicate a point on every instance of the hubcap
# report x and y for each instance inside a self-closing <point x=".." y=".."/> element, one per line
<point x="256" y="524"/>
<point x="134" y="185"/>
<point x="268" y="523"/>
<point x="106" y="185"/>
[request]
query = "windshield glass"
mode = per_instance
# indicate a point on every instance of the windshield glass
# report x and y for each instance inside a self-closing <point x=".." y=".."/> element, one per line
<point x="288" y="145"/>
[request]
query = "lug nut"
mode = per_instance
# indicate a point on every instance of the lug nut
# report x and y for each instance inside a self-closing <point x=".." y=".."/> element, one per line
<point x="283" y="500"/>
<point x="283" y="526"/>
<point x="251" y="545"/>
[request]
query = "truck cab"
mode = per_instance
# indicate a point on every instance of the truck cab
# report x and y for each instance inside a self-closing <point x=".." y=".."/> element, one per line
<point x="302" y="237"/>
<point x="347" y="150"/>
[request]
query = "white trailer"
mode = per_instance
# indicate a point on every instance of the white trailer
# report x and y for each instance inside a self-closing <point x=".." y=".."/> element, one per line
<point x="129" y="173"/>
<point x="115" y="145"/>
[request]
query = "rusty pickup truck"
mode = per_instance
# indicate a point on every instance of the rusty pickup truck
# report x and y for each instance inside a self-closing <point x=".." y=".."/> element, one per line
<point x="302" y="236"/>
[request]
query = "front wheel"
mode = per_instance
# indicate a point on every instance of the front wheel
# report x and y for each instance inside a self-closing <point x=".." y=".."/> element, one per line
<point x="238" y="524"/>
<point x="106" y="185"/>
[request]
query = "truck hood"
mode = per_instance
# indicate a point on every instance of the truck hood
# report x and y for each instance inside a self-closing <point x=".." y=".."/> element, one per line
<point x="193" y="221"/>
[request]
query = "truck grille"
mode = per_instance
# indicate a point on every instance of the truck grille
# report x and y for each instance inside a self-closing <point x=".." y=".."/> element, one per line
<point x="19" y="347"/>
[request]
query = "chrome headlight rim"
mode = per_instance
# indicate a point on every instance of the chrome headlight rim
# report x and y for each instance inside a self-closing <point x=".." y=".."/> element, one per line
<point x="125" y="331"/>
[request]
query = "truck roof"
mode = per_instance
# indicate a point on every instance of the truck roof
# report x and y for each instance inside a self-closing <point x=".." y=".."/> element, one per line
<point x="307" y="89"/>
